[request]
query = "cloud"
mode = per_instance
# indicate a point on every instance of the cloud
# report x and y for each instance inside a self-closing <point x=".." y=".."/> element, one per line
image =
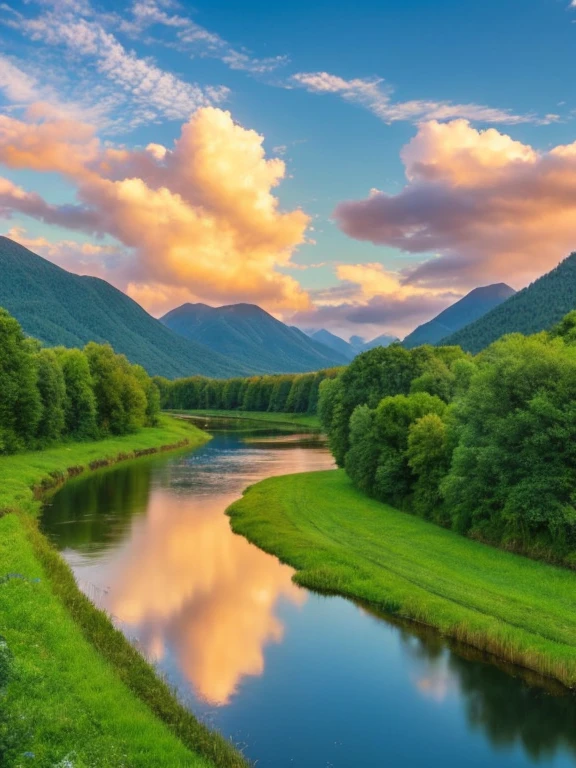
<point x="375" y="96"/>
<point x="489" y="208"/>
<point x="200" y="216"/>
<point x="375" y="298"/>
<point x="196" y="40"/>
<point x="16" y="84"/>
<point x="152" y="91"/>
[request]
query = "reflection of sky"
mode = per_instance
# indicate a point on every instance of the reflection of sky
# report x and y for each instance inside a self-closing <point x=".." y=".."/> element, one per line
<point x="302" y="680"/>
<point x="180" y="578"/>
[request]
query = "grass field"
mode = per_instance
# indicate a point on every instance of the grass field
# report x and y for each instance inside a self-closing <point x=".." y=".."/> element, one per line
<point x="76" y="693"/>
<point x="304" y="420"/>
<point x="342" y="542"/>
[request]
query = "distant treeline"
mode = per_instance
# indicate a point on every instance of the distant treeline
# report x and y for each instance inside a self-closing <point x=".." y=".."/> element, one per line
<point x="47" y="395"/>
<point x="285" y="393"/>
<point x="485" y="445"/>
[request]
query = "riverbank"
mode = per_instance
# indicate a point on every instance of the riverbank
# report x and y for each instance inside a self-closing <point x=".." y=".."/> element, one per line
<point x="77" y="693"/>
<point x="308" y="422"/>
<point x="342" y="542"/>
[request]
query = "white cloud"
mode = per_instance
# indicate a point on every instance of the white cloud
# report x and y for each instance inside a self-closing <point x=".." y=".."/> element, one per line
<point x="374" y="95"/>
<point x="196" y="40"/>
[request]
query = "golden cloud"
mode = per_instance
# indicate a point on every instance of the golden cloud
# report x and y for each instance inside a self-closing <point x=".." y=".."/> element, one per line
<point x="490" y="208"/>
<point x="201" y="216"/>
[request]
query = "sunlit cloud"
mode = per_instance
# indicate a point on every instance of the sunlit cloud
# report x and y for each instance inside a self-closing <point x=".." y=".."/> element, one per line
<point x="490" y="208"/>
<point x="375" y="299"/>
<point x="200" y="215"/>
<point x="374" y="95"/>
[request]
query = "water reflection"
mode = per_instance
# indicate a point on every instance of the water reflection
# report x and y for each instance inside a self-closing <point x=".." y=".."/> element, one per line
<point x="303" y="680"/>
<point x="184" y="580"/>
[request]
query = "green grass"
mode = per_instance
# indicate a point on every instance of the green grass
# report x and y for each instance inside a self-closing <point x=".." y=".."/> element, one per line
<point x="304" y="420"/>
<point x="342" y="542"/>
<point x="77" y="690"/>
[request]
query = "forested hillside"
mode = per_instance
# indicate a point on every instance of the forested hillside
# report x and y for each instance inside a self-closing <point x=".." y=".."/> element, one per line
<point x="60" y="308"/>
<point x="470" y="308"/>
<point x="535" y="308"/>
<point x="251" y="337"/>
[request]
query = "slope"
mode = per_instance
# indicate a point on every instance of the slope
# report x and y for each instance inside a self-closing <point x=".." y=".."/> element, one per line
<point x="61" y="308"/>
<point x="471" y="307"/>
<point x="252" y="337"/>
<point x="535" y="308"/>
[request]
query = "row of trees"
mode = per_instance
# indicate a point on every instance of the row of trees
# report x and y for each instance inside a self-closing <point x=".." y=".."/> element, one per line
<point x="50" y="394"/>
<point x="286" y="393"/>
<point x="485" y="445"/>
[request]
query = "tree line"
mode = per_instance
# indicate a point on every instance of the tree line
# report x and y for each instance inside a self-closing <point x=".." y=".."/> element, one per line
<point x="284" y="393"/>
<point x="485" y="445"/>
<point x="49" y="394"/>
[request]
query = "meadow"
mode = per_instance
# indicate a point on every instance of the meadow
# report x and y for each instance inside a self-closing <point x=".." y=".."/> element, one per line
<point x="76" y="692"/>
<point x="342" y="542"/>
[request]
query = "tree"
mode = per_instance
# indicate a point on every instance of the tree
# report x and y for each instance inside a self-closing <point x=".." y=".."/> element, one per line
<point x="428" y="455"/>
<point x="394" y="416"/>
<point x="20" y="403"/>
<point x="80" y="403"/>
<point x="362" y="456"/>
<point x="52" y="390"/>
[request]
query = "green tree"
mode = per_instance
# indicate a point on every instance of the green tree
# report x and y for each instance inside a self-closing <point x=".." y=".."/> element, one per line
<point x="20" y="403"/>
<point x="52" y="389"/>
<point x="80" y="403"/>
<point x="428" y="455"/>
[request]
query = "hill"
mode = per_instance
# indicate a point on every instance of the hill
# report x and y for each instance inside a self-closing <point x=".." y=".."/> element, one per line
<point x="334" y="342"/>
<point x="60" y="308"/>
<point x="380" y="341"/>
<point x="468" y="309"/>
<point x="535" y="308"/>
<point x="250" y="336"/>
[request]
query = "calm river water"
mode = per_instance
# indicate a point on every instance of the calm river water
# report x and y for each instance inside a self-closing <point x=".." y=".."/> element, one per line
<point x="293" y="678"/>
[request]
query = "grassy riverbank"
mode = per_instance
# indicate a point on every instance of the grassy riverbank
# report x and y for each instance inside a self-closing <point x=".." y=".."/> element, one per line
<point x="342" y="542"/>
<point x="76" y="689"/>
<point x="304" y="420"/>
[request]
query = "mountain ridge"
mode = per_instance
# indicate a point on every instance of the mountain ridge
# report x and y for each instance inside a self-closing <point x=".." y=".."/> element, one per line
<point x="469" y="308"/>
<point x="535" y="308"/>
<point x="245" y="332"/>
<point x="61" y="308"/>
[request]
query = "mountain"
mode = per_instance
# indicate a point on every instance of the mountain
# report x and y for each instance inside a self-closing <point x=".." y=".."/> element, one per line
<point x="250" y="336"/>
<point x="380" y="341"/>
<point x="334" y="342"/>
<point x="61" y="308"/>
<point x="535" y="308"/>
<point x="471" y="307"/>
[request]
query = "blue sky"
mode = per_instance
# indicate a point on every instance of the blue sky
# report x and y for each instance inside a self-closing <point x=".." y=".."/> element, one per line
<point x="337" y="90"/>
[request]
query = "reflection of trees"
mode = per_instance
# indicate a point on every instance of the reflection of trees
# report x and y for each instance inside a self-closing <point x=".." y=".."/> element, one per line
<point x="93" y="510"/>
<point x="509" y="705"/>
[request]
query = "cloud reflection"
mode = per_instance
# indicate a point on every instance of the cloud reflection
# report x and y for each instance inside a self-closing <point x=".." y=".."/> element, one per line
<point x="185" y="580"/>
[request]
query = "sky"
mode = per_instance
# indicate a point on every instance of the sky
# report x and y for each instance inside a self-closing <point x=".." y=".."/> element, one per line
<point x="355" y="166"/>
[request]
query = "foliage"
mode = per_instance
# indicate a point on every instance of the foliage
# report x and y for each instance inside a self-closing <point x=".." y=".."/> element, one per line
<point x="484" y="445"/>
<point x="285" y="393"/>
<point x="51" y="394"/>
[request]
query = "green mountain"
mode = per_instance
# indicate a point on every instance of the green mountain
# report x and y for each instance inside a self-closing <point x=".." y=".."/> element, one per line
<point x="250" y="336"/>
<point x="333" y="342"/>
<point x="471" y="307"/>
<point x="535" y="308"/>
<point x="61" y="308"/>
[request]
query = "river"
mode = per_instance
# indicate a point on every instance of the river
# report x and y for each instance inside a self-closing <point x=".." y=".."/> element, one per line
<point x="295" y="679"/>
